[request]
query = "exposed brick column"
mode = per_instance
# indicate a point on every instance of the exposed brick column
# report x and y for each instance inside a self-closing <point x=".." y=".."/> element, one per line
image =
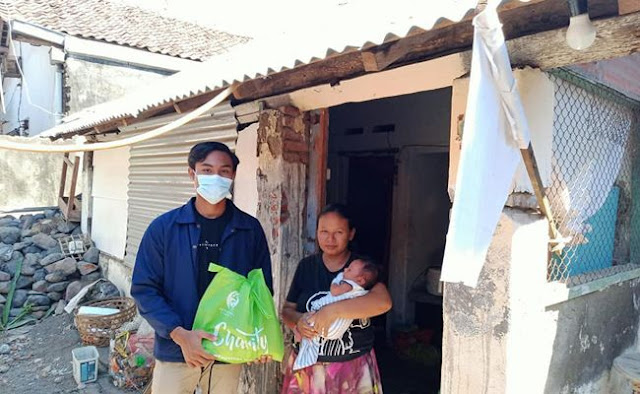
<point x="283" y="156"/>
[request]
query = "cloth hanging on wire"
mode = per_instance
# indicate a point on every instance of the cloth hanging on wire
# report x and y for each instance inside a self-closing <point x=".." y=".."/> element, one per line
<point x="495" y="130"/>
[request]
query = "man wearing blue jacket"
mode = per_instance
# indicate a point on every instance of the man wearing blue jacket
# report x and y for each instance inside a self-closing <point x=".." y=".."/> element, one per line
<point x="171" y="272"/>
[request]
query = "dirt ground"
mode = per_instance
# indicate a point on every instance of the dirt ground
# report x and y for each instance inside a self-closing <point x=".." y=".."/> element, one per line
<point x="39" y="360"/>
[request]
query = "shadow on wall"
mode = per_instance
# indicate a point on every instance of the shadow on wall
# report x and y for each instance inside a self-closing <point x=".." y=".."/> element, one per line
<point x="592" y="331"/>
<point x="29" y="179"/>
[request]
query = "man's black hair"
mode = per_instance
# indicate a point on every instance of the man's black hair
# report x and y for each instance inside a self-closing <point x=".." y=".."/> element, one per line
<point x="199" y="153"/>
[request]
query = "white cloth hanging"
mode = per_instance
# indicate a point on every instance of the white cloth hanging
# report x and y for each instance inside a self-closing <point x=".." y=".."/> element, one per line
<point x="495" y="130"/>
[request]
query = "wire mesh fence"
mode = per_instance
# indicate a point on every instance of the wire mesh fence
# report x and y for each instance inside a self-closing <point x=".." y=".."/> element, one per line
<point x="594" y="185"/>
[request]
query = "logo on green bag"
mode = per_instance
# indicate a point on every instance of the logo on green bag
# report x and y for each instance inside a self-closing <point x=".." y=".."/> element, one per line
<point x="233" y="299"/>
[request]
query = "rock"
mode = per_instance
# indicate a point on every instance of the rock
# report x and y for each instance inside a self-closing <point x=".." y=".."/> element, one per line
<point x="50" y="259"/>
<point x="10" y="223"/>
<point x="77" y="231"/>
<point x="6" y="251"/>
<point x="5" y="349"/>
<point x="60" y="307"/>
<point x="38" y="300"/>
<point x="24" y="282"/>
<point x="31" y="258"/>
<point x="44" y="241"/>
<point x="2" y="299"/>
<point x="40" y="308"/>
<point x="4" y="287"/>
<point x="49" y="213"/>
<point x="4" y="368"/>
<point x="66" y="227"/>
<point x="55" y="249"/>
<point x="59" y="235"/>
<point x="38" y="216"/>
<point x="59" y="379"/>
<point x="10" y="235"/>
<point x="40" y="274"/>
<point x="86" y="268"/>
<point x="55" y="277"/>
<point x="32" y="250"/>
<point x="27" y="221"/>
<point x="73" y="289"/>
<point x="45" y="227"/>
<point x="40" y="286"/>
<point x="92" y="277"/>
<point x="4" y="276"/>
<point x="29" y="269"/>
<point x="12" y="266"/>
<point x="54" y="296"/>
<point x="59" y="287"/>
<point x="22" y="245"/>
<point x="19" y="298"/>
<point x="15" y="311"/>
<point x="38" y="315"/>
<point x="66" y="266"/>
<point x="6" y="221"/>
<point x="92" y="255"/>
<point x="103" y="290"/>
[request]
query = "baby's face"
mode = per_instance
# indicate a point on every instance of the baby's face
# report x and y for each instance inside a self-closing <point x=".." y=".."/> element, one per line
<point x="353" y="271"/>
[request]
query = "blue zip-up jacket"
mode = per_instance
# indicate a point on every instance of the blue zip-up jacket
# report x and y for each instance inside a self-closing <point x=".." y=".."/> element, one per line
<point x="164" y="283"/>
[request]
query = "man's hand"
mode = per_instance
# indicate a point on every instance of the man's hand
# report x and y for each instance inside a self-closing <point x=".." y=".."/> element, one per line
<point x="304" y="328"/>
<point x="322" y="319"/>
<point x="190" y="343"/>
<point x="261" y="360"/>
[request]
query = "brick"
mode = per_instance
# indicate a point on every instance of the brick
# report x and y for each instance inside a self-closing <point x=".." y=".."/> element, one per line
<point x="295" y="146"/>
<point x="290" y="134"/>
<point x="289" y="110"/>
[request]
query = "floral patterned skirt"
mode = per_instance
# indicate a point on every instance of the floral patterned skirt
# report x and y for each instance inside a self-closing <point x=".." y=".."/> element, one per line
<point x="358" y="376"/>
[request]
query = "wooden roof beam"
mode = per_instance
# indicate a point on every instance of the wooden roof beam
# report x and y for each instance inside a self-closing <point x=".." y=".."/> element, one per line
<point x="447" y="38"/>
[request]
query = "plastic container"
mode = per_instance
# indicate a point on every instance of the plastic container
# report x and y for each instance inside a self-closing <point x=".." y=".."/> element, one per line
<point x="85" y="364"/>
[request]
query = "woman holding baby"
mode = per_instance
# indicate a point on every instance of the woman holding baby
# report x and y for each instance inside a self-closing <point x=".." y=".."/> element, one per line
<point x="334" y="286"/>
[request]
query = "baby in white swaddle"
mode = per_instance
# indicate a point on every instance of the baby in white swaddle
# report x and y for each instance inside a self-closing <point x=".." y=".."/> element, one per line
<point x="354" y="281"/>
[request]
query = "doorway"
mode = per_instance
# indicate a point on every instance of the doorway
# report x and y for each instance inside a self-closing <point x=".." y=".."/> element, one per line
<point x="388" y="161"/>
<point x="369" y="196"/>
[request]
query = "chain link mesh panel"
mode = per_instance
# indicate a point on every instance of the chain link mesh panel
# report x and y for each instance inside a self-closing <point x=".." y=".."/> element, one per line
<point x="594" y="189"/>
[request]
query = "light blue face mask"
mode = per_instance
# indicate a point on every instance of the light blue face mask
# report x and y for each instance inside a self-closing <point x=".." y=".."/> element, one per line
<point x="214" y="188"/>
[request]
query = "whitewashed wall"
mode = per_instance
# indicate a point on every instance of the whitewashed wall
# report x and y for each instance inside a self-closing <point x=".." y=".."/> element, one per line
<point x="110" y="183"/>
<point x="38" y="97"/>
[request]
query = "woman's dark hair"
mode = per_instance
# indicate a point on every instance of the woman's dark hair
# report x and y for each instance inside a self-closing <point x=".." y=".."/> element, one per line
<point x="199" y="152"/>
<point x="340" y="210"/>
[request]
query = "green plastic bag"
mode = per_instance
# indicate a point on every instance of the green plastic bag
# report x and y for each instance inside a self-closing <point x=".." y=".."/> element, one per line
<point x="240" y="312"/>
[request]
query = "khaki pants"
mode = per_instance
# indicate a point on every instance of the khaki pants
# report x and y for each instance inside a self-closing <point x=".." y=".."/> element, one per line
<point x="179" y="378"/>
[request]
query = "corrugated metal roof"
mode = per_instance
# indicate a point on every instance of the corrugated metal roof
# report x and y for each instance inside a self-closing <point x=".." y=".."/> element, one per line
<point x="122" y="24"/>
<point x="357" y="26"/>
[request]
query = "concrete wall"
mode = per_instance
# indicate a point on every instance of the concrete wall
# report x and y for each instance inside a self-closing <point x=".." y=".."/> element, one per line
<point x="115" y="270"/>
<point x="506" y="337"/>
<point x="31" y="179"/>
<point x="509" y="335"/>
<point x="28" y="179"/>
<point x="245" y="186"/>
<point x="90" y="83"/>
<point x="38" y="97"/>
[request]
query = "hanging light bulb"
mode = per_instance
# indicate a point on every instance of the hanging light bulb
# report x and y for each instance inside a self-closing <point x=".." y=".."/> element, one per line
<point x="581" y="32"/>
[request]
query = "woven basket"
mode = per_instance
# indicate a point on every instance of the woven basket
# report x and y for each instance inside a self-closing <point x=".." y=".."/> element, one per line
<point x="97" y="330"/>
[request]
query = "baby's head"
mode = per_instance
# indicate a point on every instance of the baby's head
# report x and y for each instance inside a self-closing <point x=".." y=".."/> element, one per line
<point x="363" y="271"/>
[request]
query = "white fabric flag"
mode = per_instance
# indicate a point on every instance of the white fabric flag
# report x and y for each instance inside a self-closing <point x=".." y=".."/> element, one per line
<point x="495" y="129"/>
